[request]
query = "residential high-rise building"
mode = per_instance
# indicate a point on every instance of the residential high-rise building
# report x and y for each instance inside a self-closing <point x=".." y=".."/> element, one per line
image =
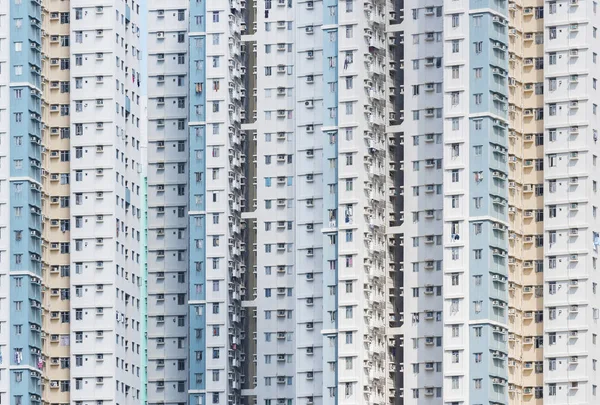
<point x="216" y="245"/>
<point x="570" y="185"/>
<point x="56" y="202"/>
<point x="21" y="201"/>
<point x="167" y="154"/>
<point x="526" y="203"/>
<point x="325" y="132"/>
<point x="106" y="189"/>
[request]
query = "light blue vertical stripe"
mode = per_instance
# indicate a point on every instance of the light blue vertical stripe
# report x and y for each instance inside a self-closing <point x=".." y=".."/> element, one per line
<point x="25" y="203"/>
<point x="197" y="200"/>
<point x="488" y="185"/>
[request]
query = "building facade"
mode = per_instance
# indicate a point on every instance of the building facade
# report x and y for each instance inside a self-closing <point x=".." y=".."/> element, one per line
<point x="105" y="180"/>
<point x="56" y="203"/>
<point x="287" y="202"/>
<point x="21" y="190"/>
<point x="216" y="246"/>
<point x="526" y="203"/>
<point x="167" y="156"/>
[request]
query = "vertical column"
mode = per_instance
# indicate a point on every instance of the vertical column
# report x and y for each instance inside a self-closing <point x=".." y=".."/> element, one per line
<point x="106" y="212"/>
<point x="24" y="192"/>
<point x="5" y="208"/>
<point x="424" y="202"/>
<point x="167" y="158"/>
<point x="57" y="202"/>
<point x="216" y="177"/>
<point x="526" y="202"/>
<point x="571" y="193"/>
<point x="199" y="331"/>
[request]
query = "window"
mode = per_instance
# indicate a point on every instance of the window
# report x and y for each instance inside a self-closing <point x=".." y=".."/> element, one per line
<point x="455" y="72"/>
<point x="455" y="20"/>
<point x="454" y="98"/>
<point x="455" y="124"/>
<point x="455" y="46"/>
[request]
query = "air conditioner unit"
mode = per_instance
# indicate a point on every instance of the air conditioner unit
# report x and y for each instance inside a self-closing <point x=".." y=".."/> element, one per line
<point x="160" y="35"/>
<point x="310" y="54"/>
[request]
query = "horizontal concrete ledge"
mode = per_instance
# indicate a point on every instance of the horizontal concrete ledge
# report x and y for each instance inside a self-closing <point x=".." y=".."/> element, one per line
<point x="394" y="27"/>
<point x="249" y="304"/>
<point x="250" y="126"/>
<point x="393" y="230"/>
<point x="394" y="128"/>
<point x="249" y="38"/>
<point x="394" y="331"/>
<point x="249" y="215"/>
